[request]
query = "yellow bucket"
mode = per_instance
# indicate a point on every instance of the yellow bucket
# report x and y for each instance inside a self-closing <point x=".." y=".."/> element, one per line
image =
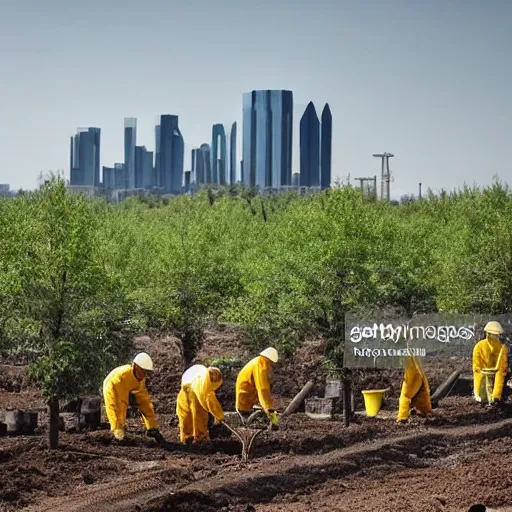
<point x="373" y="401"/>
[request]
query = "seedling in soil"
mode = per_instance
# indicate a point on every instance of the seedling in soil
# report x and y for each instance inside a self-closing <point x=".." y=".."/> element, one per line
<point x="246" y="436"/>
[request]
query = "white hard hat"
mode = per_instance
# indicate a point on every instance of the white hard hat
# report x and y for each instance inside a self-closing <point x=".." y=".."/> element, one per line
<point x="493" y="327"/>
<point x="144" y="361"/>
<point x="270" y="353"/>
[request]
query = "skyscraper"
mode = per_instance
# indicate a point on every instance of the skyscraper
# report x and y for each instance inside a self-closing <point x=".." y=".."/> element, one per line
<point x="157" y="156"/>
<point x="143" y="168"/>
<point x="130" y="140"/>
<point x="108" y="177"/>
<point x="267" y="138"/>
<point x="119" y="176"/>
<point x="218" y="154"/>
<point x="85" y="157"/>
<point x="201" y="170"/>
<point x="187" y="181"/>
<point x="326" y="148"/>
<point x="171" y="157"/>
<point x="232" y="155"/>
<point x="310" y="148"/>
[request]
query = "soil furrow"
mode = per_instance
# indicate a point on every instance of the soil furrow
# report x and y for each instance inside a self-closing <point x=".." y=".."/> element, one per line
<point x="259" y="482"/>
<point x="261" y="485"/>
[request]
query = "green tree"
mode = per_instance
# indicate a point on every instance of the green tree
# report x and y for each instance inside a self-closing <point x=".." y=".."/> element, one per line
<point x="65" y="307"/>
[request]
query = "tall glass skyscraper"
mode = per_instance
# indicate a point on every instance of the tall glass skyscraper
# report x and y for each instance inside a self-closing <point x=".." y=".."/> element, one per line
<point x="310" y="148"/>
<point x="218" y="154"/>
<point x="143" y="168"/>
<point x="267" y="138"/>
<point x="171" y="155"/>
<point x="201" y="170"/>
<point x="85" y="157"/>
<point x="326" y="148"/>
<point x="130" y="141"/>
<point x="232" y="155"/>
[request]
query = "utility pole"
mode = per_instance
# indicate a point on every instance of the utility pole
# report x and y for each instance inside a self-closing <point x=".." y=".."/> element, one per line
<point x="385" y="174"/>
<point x="368" y="184"/>
<point x="419" y="195"/>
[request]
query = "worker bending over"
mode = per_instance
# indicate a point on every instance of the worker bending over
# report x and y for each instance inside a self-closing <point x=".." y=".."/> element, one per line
<point x="120" y="382"/>
<point x="253" y="386"/>
<point x="415" y="391"/>
<point x="195" y="400"/>
<point x="490" y="354"/>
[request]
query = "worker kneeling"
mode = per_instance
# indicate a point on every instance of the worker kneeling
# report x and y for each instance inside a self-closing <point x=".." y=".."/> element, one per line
<point x="195" y="400"/>
<point x="490" y="365"/>
<point x="253" y="386"/>
<point x="415" y="391"/>
<point x="120" y="382"/>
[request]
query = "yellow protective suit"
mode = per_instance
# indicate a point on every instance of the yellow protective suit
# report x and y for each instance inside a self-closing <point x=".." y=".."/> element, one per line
<point x="415" y="391"/>
<point x="253" y="385"/>
<point x="489" y="354"/>
<point x="117" y="387"/>
<point x="195" y="400"/>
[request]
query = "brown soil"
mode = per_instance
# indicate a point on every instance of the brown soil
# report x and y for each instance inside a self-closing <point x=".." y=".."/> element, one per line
<point x="456" y="457"/>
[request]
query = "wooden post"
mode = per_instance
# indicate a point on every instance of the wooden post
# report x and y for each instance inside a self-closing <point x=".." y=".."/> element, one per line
<point x="299" y="397"/>
<point x="53" y="423"/>
<point x="346" y="401"/>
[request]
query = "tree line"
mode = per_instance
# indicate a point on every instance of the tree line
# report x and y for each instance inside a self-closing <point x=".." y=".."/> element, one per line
<point x="80" y="276"/>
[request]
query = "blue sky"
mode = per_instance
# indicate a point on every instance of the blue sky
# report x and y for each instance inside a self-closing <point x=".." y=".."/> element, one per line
<point x="430" y="81"/>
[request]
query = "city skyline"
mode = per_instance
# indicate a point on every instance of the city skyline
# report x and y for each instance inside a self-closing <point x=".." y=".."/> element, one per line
<point x="266" y="139"/>
<point x="390" y="84"/>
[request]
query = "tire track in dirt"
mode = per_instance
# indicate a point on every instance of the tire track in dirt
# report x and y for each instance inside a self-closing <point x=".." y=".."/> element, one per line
<point x="260" y="481"/>
<point x="118" y="494"/>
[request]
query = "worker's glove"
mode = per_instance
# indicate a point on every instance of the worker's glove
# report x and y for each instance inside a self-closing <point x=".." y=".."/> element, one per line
<point x="119" y="433"/>
<point x="156" y="435"/>
<point x="273" y="420"/>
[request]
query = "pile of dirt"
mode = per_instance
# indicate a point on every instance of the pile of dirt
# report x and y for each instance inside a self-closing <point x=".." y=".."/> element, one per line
<point x="30" y="470"/>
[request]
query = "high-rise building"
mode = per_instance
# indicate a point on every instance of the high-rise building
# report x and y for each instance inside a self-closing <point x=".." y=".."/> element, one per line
<point x="130" y="141"/>
<point x="295" y="179"/>
<point x="187" y="181"/>
<point x="171" y="155"/>
<point x="143" y="168"/>
<point x="310" y="148"/>
<point x="218" y="154"/>
<point x="108" y="178"/>
<point x="157" y="156"/>
<point x="119" y="176"/>
<point x="326" y="148"/>
<point x="201" y="173"/>
<point x="85" y="157"/>
<point x="232" y="155"/>
<point x="267" y="138"/>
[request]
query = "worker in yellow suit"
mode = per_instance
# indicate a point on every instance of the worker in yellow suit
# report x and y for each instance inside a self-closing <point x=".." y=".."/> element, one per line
<point x="490" y="354"/>
<point x="196" y="400"/>
<point x="253" y="386"/>
<point x="117" y="386"/>
<point x="415" y="391"/>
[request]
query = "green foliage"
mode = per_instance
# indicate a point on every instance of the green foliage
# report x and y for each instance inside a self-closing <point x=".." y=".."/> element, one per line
<point x="282" y="266"/>
<point x="63" y="305"/>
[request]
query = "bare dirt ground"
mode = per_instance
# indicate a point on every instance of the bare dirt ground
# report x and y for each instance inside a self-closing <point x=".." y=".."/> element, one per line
<point x="458" y="457"/>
